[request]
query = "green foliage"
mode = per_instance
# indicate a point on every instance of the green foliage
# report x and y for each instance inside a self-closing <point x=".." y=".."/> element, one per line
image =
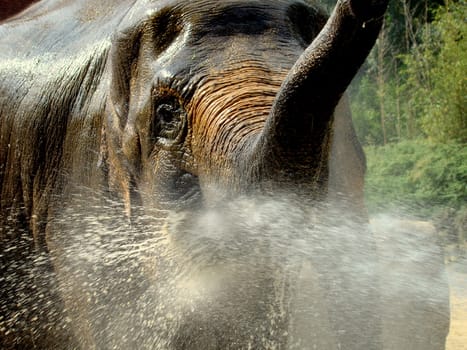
<point x="436" y="76"/>
<point x="409" y="109"/>
<point x="414" y="83"/>
<point x="365" y="113"/>
<point x="368" y="99"/>
<point x="404" y="18"/>
<point x="419" y="177"/>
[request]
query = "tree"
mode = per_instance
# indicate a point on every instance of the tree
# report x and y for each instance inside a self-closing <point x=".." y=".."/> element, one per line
<point x="435" y="72"/>
<point x="407" y="73"/>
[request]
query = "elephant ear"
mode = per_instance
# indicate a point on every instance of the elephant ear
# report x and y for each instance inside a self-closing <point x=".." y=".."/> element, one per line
<point x="347" y="162"/>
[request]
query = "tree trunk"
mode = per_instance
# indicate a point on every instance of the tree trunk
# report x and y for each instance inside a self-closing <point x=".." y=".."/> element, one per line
<point x="381" y="80"/>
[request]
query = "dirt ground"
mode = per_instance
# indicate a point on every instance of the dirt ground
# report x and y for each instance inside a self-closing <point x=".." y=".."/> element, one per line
<point x="457" y="339"/>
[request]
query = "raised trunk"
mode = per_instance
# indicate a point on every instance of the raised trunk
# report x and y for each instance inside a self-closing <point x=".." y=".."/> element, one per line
<point x="294" y="144"/>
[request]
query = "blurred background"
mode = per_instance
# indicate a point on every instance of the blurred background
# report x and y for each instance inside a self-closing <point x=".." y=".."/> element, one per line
<point x="409" y="106"/>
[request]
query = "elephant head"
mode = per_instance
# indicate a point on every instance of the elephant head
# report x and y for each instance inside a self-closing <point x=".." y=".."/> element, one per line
<point x="228" y="170"/>
<point x="233" y="95"/>
<point x="211" y="101"/>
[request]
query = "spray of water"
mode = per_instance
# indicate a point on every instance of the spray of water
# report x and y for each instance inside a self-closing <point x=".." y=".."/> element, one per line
<point x="253" y="273"/>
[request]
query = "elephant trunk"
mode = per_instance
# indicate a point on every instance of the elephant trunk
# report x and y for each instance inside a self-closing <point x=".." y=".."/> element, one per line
<point x="294" y="145"/>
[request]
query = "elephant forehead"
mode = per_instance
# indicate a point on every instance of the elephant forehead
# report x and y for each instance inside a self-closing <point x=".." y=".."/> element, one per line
<point x="232" y="17"/>
<point x="222" y="32"/>
<point x="204" y="11"/>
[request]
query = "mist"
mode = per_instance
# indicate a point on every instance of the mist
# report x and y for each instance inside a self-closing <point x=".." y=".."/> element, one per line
<point x="253" y="272"/>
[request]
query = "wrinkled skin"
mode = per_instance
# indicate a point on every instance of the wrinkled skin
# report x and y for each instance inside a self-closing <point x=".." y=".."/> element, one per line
<point x="163" y="107"/>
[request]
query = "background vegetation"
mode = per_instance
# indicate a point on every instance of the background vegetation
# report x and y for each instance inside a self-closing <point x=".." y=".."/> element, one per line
<point x="409" y="106"/>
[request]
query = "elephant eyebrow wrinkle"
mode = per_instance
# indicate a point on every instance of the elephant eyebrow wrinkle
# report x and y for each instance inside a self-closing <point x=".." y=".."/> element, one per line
<point x="237" y="20"/>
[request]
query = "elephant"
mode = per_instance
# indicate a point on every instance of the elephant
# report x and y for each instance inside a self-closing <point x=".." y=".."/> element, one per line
<point x="142" y="144"/>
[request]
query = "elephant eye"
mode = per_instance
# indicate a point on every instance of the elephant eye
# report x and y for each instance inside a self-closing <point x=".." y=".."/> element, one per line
<point x="168" y="120"/>
<point x="167" y="114"/>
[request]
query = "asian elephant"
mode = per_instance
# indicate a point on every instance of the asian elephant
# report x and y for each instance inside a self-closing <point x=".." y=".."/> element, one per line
<point x="135" y="135"/>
